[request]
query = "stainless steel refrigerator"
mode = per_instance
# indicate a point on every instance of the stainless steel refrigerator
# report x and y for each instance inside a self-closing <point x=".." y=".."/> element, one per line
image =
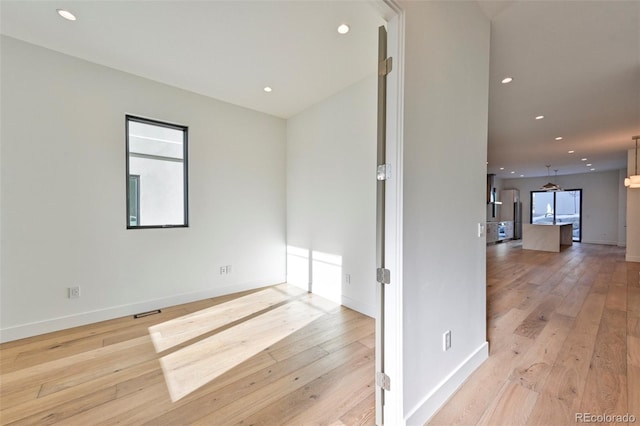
<point x="512" y="210"/>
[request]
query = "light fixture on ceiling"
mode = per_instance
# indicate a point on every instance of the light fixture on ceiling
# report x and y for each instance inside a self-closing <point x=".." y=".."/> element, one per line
<point x="268" y="89"/>
<point x="559" y="138"/>
<point x="633" y="181"/>
<point x="507" y="80"/>
<point x="539" y="117"/>
<point x="66" y="14"/>
<point x="343" y="28"/>
<point x="551" y="186"/>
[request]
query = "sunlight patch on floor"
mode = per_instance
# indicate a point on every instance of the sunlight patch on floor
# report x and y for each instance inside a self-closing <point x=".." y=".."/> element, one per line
<point x="192" y="367"/>
<point x="171" y="333"/>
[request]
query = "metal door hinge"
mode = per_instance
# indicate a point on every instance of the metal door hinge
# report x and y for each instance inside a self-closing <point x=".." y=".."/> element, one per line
<point x="383" y="381"/>
<point x="385" y="66"/>
<point x="383" y="172"/>
<point x="383" y="276"/>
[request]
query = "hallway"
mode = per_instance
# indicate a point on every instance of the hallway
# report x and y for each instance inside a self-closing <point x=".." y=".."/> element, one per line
<point x="564" y="336"/>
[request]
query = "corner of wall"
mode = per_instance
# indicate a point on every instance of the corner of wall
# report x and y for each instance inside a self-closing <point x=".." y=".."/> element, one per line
<point x="432" y="402"/>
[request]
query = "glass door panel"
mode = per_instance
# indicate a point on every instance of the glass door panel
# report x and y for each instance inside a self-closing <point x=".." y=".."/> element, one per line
<point x="542" y="207"/>
<point x="558" y="207"/>
<point x="568" y="205"/>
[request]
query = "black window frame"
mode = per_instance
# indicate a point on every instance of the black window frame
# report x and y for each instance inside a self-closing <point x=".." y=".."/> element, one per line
<point x="136" y="179"/>
<point x="579" y="240"/>
<point x="185" y="133"/>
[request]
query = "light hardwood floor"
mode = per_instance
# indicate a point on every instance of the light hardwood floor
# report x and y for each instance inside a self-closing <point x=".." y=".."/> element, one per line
<point x="564" y="333"/>
<point x="267" y="357"/>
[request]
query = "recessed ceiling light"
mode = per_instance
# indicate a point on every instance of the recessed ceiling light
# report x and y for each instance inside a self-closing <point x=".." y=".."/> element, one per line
<point x="268" y="89"/>
<point x="593" y="170"/>
<point x="343" y="28"/>
<point x="583" y="159"/>
<point x="521" y="175"/>
<point x="539" y="117"/>
<point x="512" y="172"/>
<point x="501" y="168"/>
<point x="66" y="14"/>
<point x="589" y="165"/>
<point x="571" y="152"/>
<point x="559" y="138"/>
<point x="507" y="80"/>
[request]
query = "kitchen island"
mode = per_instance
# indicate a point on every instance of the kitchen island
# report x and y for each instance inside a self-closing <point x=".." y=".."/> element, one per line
<point x="546" y="237"/>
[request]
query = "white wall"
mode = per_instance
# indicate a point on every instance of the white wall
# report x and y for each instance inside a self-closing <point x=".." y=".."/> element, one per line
<point x="622" y="209"/>
<point x="63" y="196"/>
<point x="445" y="150"/>
<point x="633" y="214"/>
<point x="600" y="202"/>
<point x="331" y="197"/>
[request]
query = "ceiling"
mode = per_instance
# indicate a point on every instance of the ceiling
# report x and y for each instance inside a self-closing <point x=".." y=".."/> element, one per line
<point x="578" y="64"/>
<point x="228" y="50"/>
<point x="575" y="62"/>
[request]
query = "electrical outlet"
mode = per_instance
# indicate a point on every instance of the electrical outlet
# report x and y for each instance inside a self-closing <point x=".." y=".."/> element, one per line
<point x="74" y="292"/>
<point x="446" y="340"/>
<point x="480" y="230"/>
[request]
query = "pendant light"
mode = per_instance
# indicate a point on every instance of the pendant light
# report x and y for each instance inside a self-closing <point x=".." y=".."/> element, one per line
<point x="551" y="186"/>
<point x="633" y="181"/>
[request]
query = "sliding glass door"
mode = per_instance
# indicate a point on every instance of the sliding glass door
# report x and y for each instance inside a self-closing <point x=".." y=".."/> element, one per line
<point x="558" y="207"/>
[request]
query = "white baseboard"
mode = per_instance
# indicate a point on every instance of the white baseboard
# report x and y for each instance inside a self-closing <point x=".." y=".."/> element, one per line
<point x="61" y="323"/>
<point x="602" y="242"/>
<point x="630" y="258"/>
<point x="432" y="402"/>
<point x="358" y="306"/>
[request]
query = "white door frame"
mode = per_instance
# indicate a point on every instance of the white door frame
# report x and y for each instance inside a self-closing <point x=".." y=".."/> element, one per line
<point x="393" y="342"/>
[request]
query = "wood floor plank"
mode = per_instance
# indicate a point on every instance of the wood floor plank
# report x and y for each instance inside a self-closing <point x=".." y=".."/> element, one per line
<point x="321" y="397"/>
<point x="67" y="409"/>
<point x="153" y="401"/>
<point x="111" y="374"/>
<point x="633" y="389"/>
<point x="585" y="356"/>
<point x="513" y="402"/>
<point x="85" y="361"/>
<point x="572" y="304"/>
<point x="575" y="361"/>
<point x="234" y="385"/>
<point x="318" y="333"/>
<point x="567" y="378"/>
<point x="330" y="404"/>
<point x="363" y="414"/>
<point x="537" y="320"/>
<point x="532" y="370"/>
<point x="173" y="332"/>
<point x="606" y="384"/>
<point x="468" y="405"/>
<point x="50" y="400"/>
<point x="264" y="396"/>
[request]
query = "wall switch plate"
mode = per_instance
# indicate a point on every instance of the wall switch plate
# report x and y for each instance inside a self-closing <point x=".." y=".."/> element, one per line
<point x="446" y="340"/>
<point x="74" y="292"/>
<point x="347" y="278"/>
<point x="480" y="230"/>
<point x="228" y="269"/>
